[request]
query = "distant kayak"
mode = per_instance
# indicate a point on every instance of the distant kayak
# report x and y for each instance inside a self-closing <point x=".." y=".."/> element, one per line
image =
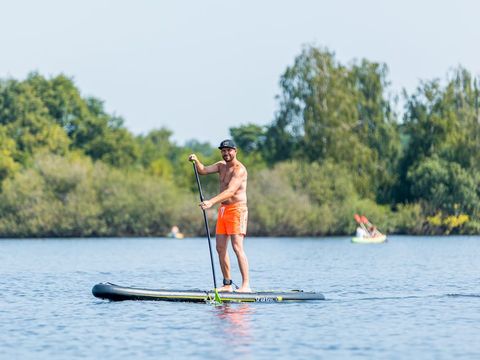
<point x="175" y="236"/>
<point x="175" y="233"/>
<point x="370" y="239"/>
<point x="114" y="292"/>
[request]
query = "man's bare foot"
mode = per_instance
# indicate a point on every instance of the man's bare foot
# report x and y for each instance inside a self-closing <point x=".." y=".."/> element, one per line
<point x="225" y="288"/>
<point x="244" y="289"/>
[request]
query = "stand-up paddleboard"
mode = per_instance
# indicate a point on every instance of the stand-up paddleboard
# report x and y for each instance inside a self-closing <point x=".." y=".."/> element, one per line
<point x="118" y="293"/>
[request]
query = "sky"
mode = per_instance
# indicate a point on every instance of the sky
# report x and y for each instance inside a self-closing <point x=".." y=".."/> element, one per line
<point x="199" y="68"/>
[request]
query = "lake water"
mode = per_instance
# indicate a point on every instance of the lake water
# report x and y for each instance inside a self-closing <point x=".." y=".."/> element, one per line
<point x="413" y="297"/>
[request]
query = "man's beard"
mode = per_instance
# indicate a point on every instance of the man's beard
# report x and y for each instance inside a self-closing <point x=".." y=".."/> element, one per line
<point x="225" y="158"/>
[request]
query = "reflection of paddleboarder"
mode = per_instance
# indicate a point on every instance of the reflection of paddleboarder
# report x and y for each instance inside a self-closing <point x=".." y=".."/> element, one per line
<point x="232" y="213"/>
<point x="238" y="321"/>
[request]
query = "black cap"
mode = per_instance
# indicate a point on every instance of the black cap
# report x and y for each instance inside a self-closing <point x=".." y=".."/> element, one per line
<point x="227" y="144"/>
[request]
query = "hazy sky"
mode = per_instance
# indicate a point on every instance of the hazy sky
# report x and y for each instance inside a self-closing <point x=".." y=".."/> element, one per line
<point x="201" y="67"/>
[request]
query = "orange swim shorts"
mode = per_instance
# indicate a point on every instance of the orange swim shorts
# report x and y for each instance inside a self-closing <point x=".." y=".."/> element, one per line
<point x="232" y="219"/>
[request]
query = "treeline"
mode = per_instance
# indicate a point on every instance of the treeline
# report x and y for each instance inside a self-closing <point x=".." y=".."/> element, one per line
<point x="336" y="147"/>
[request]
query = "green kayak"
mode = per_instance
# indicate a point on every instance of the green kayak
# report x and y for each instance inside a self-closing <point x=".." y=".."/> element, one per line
<point x="370" y="239"/>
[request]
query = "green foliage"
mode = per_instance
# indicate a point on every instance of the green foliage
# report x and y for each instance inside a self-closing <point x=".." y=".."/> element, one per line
<point x="185" y="175"/>
<point x="324" y="183"/>
<point x="409" y="219"/>
<point x="114" y="146"/>
<point x="8" y="165"/>
<point x="295" y="199"/>
<point x="250" y="140"/>
<point x="50" y="114"/>
<point x="441" y="122"/>
<point x="329" y="111"/>
<point x="61" y="196"/>
<point x="156" y="144"/>
<point x="162" y="168"/>
<point x="440" y="224"/>
<point x="444" y="186"/>
<point x="471" y="227"/>
<point x="25" y="119"/>
<point x="51" y="199"/>
<point x="138" y="204"/>
<point x="335" y="148"/>
<point x="277" y="210"/>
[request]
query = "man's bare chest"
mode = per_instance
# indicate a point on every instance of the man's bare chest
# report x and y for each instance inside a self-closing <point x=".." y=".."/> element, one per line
<point x="226" y="176"/>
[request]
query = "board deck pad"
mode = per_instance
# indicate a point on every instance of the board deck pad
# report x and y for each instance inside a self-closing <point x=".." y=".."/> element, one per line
<point x="114" y="292"/>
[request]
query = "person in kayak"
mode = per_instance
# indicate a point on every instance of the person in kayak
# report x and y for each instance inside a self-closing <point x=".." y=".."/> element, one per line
<point x="360" y="232"/>
<point x="232" y="213"/>
<point x="374" y="231"/>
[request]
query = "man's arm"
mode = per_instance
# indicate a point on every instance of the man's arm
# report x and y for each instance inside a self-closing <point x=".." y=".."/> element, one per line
<point x="202" y="169"/>
<point x="234" y="184"/>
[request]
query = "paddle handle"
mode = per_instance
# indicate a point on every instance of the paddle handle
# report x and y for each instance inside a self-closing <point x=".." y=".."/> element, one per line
<point x="207" y="228"/>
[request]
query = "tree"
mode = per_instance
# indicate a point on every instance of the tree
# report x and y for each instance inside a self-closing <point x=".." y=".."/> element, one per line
<point x="336" y="112"/>
<point x="50" y="114"/>
<point x="441" y="122"/>
<point x="8" y="165"/>
<point x="249" y="138"/>
<point x="27" y="122"/>
<point x="444" y="186"/>
<point x="156" y="144"/>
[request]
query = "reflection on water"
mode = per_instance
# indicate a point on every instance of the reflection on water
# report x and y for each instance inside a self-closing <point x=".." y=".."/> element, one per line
<point x="235" y="324"/>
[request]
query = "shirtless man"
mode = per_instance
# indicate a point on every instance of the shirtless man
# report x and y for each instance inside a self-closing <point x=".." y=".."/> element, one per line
<point x="232" y="213"/>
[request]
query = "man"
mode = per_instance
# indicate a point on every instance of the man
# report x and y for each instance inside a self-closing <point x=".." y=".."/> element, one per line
<point x="232" y="213"/>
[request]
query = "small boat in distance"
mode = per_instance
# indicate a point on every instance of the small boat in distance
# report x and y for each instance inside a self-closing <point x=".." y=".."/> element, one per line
<point x="175" y="233"/>
<point x="367" y="233"/>
<point x="377" y="239"/>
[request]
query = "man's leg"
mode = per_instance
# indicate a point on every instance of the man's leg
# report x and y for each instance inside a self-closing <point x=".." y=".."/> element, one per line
<point x="237" y="244"/>
<point x="222" y="244"/>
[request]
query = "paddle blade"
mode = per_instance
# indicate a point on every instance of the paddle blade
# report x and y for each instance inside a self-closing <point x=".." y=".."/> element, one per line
<point x="357" y="218"/>
<point x="217" y="297"/>
<point x="365" y="220"/>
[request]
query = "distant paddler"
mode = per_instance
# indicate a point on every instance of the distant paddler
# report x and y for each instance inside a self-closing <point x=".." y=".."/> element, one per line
<point x="175" y="233"/>
<point x="232" y="213"/>
<point x="366" y="232"/>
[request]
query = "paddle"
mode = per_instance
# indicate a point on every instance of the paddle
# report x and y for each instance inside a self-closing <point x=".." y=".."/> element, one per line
<point x="217" y="297"/>
<point x="359" y="219"/>
<point x="365" y="221"/>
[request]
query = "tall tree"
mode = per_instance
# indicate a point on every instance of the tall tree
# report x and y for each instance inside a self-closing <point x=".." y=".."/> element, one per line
<point x="441" y="122"/>
<point x="51" y="114"/>
<point x="332" y="111"/>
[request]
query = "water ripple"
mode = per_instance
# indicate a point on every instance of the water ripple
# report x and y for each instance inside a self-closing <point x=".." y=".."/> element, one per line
<point x="398" y="300"/>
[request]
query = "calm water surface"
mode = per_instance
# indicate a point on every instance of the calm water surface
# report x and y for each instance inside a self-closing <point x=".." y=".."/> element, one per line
<point x="414" y="297"/>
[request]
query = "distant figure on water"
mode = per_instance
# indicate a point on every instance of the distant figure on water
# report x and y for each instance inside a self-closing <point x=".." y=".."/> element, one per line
<point x="232" y="213"/>
<point x="374" y="231"/>
<point x="366" y="232"/>
<point x="360" y="232"/>
<point x="175" y="233"/>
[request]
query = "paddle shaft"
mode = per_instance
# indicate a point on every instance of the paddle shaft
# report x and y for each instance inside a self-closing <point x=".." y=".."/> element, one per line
<point x="207" y="229"/>
<point x="365" y="228"/>
<point x="359" y="220"/>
